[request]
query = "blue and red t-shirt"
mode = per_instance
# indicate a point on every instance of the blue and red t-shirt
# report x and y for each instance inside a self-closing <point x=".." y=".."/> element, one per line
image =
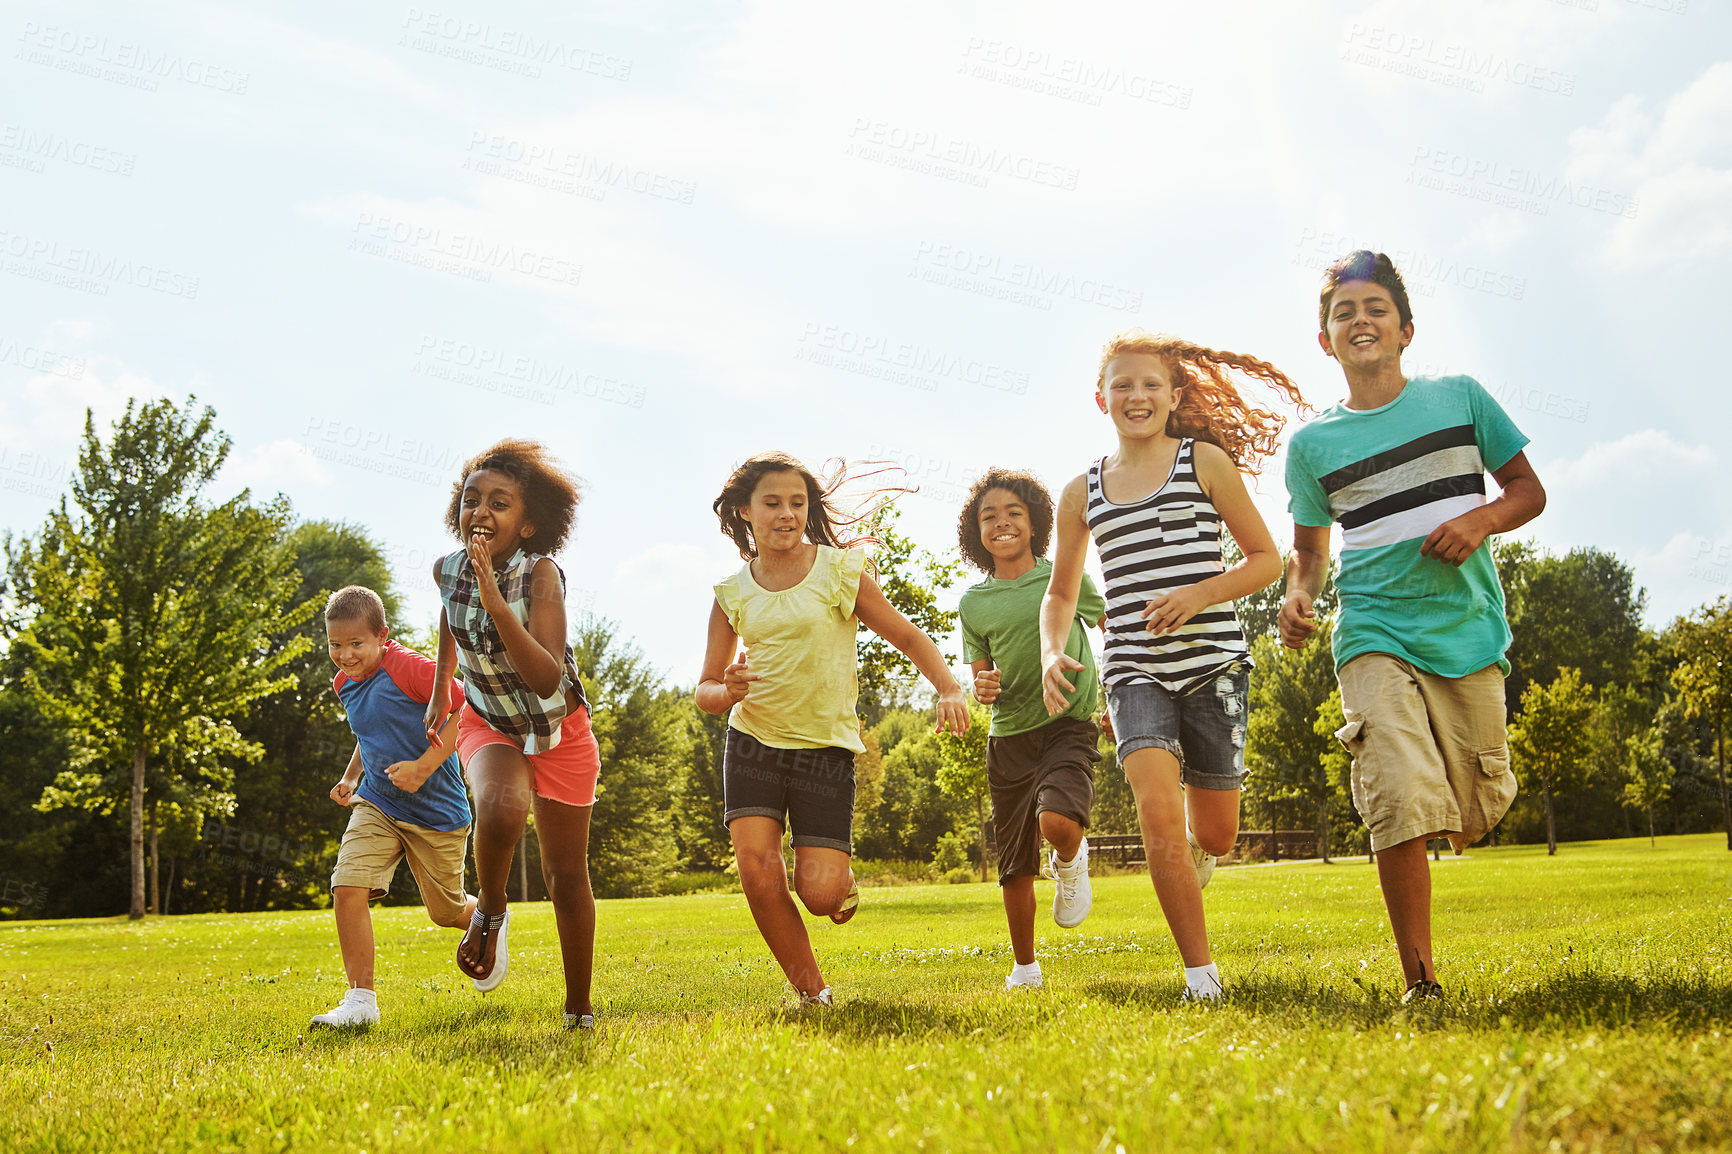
<point x="386" y="712"/>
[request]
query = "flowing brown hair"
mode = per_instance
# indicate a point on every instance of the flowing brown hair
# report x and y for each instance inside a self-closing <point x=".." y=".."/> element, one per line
<point x="1210" y="406"/>
<point x="826" y="512"/>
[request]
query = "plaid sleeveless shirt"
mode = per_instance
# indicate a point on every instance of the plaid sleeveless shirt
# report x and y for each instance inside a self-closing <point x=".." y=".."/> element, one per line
<point x="491" y="683"/>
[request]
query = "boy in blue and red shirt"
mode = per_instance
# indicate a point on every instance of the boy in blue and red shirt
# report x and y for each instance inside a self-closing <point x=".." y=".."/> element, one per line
<point x="406" y="799"/>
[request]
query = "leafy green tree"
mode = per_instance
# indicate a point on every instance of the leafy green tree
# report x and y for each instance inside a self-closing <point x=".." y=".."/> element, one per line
<point x="698" y="831"/>
<point x="1257" y="613"/>
<point x="645" y="743"/>
<point x="1649" y="774"/>
<point x="1551" y="741"/>
<point x="962" y="770"/>
<point x="1704" y="680"/>
<point x="1582" y="610"/>
<point x="1284" y="749"/>
<point x="153" y="612"/>
<point x="912" y="580"/>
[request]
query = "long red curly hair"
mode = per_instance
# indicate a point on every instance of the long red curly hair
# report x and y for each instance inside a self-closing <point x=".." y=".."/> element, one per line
<point x="1211" y="407"/>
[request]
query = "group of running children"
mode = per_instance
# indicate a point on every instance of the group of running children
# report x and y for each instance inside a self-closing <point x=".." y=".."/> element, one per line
<point x="1419" y="641"/>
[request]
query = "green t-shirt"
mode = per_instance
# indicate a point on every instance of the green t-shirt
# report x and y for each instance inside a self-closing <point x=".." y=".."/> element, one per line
<point x="1001" y="623"/>
<point x="1391" y="475"/>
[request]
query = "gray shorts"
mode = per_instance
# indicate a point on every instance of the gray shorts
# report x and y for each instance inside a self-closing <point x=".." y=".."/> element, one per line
<point x="1046" y="770"/>
<point x="1204" y="727"/>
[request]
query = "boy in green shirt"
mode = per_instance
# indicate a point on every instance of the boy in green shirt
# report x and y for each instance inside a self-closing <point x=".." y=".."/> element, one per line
<point x="1040" y="768"/>
<point x="1420" y="636"/>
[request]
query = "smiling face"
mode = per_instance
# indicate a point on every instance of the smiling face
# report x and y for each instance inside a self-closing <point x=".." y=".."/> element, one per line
<point x="1005" y="528"/>
<point x="777" y="513"/>
<point x="493" y="511"/>
<point x="1364" y="330"/>
<point x="1137" y="392"/>
<point x="355" y="649"/>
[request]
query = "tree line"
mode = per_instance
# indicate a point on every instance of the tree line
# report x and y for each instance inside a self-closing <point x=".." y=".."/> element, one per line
<point x="168" y="733"/>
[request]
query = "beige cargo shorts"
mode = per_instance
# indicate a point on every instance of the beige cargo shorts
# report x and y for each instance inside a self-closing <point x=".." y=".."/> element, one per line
<point x="1430" y="753"/>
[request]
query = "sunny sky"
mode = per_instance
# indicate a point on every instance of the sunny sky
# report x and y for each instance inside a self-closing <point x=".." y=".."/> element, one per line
<point x="660" y="237"/>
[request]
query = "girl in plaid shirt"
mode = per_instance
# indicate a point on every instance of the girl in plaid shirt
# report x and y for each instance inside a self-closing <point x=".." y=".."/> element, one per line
<point x="524" y="737"/>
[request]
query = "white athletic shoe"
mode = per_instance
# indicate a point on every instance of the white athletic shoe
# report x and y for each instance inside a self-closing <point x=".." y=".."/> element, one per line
<point x="358" y="1008"/>
<point x="821" y="998"/>
<point x="1073" y="897"/>
<point x="1016" y="981"/>
<point x="1202" y="996"/>
<point x="1201" y="858"/>
<point x="580" y="1021"/>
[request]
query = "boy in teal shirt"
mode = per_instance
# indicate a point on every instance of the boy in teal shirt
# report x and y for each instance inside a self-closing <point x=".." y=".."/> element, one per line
<point x="1040" y="768"/>
<point x="1420" y="636"/>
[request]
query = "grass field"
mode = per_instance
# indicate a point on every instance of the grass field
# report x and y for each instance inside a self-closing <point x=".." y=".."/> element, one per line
<point x="1590" y="1007"/>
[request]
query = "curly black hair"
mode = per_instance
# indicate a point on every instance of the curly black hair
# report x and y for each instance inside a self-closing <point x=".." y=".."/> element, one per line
<point x="550" y="493"/>
<point x="1029" y="490"/>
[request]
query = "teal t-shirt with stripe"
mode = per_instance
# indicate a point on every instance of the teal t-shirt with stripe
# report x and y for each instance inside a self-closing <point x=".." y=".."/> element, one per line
<point x="1389" y="476"/>
<point x="1001" y="623"/>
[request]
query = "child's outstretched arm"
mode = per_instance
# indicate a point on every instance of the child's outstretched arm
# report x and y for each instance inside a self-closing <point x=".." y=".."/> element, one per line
<point x="1261" y="566"/>
<point x="1306" y="569"/>
<point x="444" y="666"/>
<point x="1058" y="607"/>
<point x="533" y="648"/>
<point x="881" y="617"/>
<point x="725" y="681"/>
<point x="1523" y="498"/>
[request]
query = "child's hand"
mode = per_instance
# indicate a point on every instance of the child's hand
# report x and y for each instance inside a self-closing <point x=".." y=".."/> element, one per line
<point x="1105" y="721"/>
<point x="1166" y="613"/>
<point x="986" y="686"/>
<point x="1455" y="540"/>
<point x="1055" y="690"/>
<point x="408" y="775"/>
<point x="481" y="560"/>
<point x="343" y="793"/>
<point x="1297" y="620"/>
<point x="436" y="715"/>
<point x="952" y="711"/>
<point x="737" y="680"/>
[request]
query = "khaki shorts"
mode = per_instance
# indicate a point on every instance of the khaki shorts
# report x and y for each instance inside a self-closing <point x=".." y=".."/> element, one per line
<point x="1430" y="753"/>
<point x="375" y="842"/>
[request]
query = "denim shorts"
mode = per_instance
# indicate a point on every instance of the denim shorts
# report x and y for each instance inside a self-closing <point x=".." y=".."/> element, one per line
<point x="1204" y="727"/>
<point x="809" y="791"/>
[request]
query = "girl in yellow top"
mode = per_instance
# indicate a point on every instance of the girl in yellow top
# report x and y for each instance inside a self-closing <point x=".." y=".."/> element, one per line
<point x="796" y="606"/>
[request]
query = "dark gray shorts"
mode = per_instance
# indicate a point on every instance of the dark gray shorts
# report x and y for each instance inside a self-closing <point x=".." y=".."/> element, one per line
<point x="1203" y="727"/>
<point x="809" y="791"/>
<point x="1050" y="769"/>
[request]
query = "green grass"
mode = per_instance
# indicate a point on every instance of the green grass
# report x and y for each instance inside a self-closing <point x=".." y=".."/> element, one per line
<point x="1590" y="1008"/>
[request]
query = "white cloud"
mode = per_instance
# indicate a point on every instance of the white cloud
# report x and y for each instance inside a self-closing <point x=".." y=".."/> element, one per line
<point x="1635" y="456"/>
<point x="277" y="466"/>
<point x="1679" y="170"/>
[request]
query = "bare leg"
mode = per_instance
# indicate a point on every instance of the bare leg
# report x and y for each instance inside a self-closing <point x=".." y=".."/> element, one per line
<point x="822" y="877"/>
<point x="502" y="781"/>
<point x="764" y="878"/>
<point x="1064" y="834"/>
<point x="1154" y="778"/>
<point x="1214" y="817"/>
<point x="1405" y="875"/>
<point x="563" y="831"/>
<point x="354" y="934"/>
<point x="1019" y="912"/>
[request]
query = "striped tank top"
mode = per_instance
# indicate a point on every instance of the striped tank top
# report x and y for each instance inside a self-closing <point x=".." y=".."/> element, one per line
<point x="1169" y="539"/>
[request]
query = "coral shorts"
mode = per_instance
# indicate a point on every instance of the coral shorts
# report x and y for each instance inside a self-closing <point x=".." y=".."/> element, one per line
<point x="566" y="773"/>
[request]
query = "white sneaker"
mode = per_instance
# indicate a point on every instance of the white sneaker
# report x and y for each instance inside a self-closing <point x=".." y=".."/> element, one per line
<point x="1073" y="897"/>
<point x="358" y="1008"/>
<point x="1201" y="858"/>
<point x="1021" y="981"/>
<point x="580" y="1021"/>
<point x="1200" y="997"/>
<point x="821" y="998"/>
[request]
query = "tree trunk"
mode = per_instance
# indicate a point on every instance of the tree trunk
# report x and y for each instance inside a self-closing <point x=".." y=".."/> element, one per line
<point x="136" y="910"/>
<point x="155" y="863"/>
<point x="1323" y="830"/>
<point x="168" y="889"/>
<point x="1551" y="831"/>
<point x="1650" y="827"/>
<point x="1720" y="763"/>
